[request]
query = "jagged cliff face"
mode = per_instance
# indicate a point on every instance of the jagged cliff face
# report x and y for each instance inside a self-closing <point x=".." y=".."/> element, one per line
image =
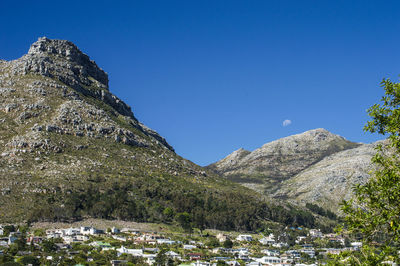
<point x="315" y="166"/>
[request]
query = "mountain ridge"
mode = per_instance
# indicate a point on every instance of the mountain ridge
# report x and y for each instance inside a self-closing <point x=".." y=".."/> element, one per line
<point x="318" y="141"/>
<point x="285" y="168"/>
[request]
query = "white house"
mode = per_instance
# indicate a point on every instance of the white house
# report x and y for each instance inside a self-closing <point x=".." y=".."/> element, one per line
<point x="268" y="240"/>
<point x="280" y="245"/>
<point x="120" y="238"/>
<point x="232" y="263"/>
<point x="71" y="231"/>
<point x="165" y="241"/>
<point x="356" y="245"/>
<point x="244" y="238"/>
<point x="189" y="247"/>
<point x="85" y="230"/>
<point x="69" y="239"/>
<point x="53" y="235"/>
<point x="272" y="253"/>
<point x="254" y="263"/>
<point x="315" y="233"/>
<point x="269" y="260"/>
<point x="201" y="263"/>
<point x="133" y="252"/>
<point x="294" y="254"/>
<point x="131" y="231"/>
<point x="4" y="242"/>
<point x="173" y="255"/>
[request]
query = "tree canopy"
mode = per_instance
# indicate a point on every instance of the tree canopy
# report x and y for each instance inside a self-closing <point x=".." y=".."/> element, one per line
<point x="373" y="213"/>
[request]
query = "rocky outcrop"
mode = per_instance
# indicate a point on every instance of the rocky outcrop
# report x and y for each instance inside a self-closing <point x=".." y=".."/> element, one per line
<point x="63" y="61"/>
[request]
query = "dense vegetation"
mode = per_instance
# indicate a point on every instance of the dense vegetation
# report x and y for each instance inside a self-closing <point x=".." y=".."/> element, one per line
<point x="157" y="200"/>
<point x="321" y="211"/>
<point x="373" y="212"/>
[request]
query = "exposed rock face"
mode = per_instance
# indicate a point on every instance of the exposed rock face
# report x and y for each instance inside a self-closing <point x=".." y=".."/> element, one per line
<point x="61" y="60"/>
<point x="283" y="158"/>
<point x="331" y="180"/>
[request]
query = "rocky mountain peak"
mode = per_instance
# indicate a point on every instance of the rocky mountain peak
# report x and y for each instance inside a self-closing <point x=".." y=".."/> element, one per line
<point x="283" y="158"/>
<point x="45" y="45"/>
<point x="57" y="73"/>
<point x="62" y="59"/>
<point x="320" y="134"/>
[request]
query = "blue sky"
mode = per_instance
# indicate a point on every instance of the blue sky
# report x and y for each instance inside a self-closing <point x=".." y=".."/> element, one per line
<point x="214" y="76"/>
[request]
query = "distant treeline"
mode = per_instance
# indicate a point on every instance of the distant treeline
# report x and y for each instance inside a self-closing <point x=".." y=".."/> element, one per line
<point x="167" y="201"/>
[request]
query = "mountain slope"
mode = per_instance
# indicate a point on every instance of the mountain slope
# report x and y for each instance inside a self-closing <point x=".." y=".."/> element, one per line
<point x="331" y="180"/>
<point x="71" y="149"/>
<point x="279" y="160"/>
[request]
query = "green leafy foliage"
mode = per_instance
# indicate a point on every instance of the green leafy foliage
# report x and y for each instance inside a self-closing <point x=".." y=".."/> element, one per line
<point x="29" y="260"/>
<point x="373" y="213"/>
<point x="228" y="243"/>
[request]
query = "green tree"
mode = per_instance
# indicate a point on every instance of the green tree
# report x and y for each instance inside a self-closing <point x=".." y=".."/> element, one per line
<point x="8" y="229"/>
<point x="49" y="246"/>
<point x="29" y="260"/>
<point x="228" y="243"/>
<point x="373" y="212"/>
<point x="184" y="220"/>
<point x="213" y="242"/>
<point x="161" y="258"/>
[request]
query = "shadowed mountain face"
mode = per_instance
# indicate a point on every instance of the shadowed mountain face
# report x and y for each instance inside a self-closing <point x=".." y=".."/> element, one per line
<point x="295" y="168"/>
<point x="71" y="149"/>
